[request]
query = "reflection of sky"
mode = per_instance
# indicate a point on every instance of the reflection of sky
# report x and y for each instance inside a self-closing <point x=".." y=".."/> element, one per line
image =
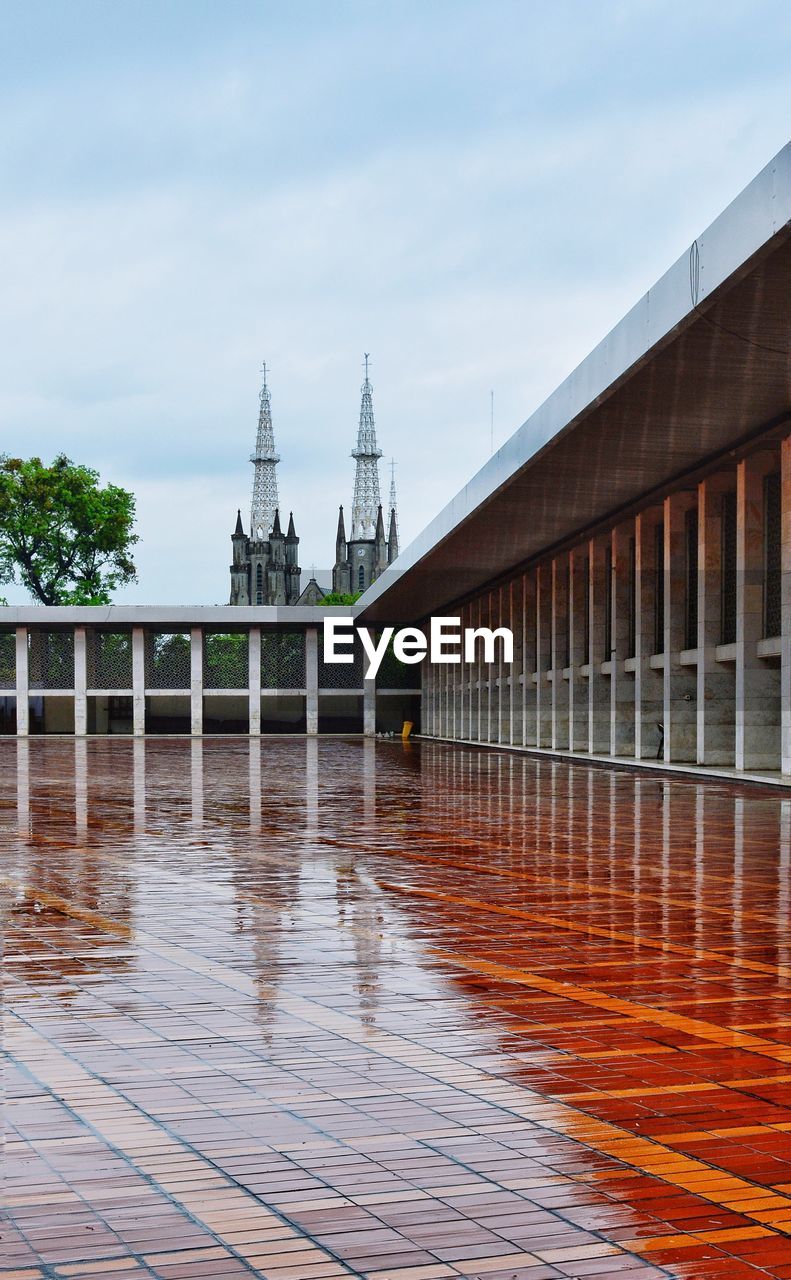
<point x="472" y="192"/>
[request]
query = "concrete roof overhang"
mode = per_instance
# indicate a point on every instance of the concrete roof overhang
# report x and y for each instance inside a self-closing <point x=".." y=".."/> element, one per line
<point x="701" y="363"/>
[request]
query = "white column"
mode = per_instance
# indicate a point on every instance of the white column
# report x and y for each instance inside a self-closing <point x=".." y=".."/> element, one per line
<point x="138" y="682"/>
<point x="254" y="680"/>
<point x="22" y="684"/>
<point x="369" y="708"/>
<point x="598" y="684"/>
<point x="785" y="651"/>
<point x="543" y="656"/>
<point x="681" y="683"/>
<point x="196" y="681"/>
<point x="716" y="680"/>
<point x="80" y="682"/>
<point x="758" y="730"/>
<point x="312" y="680"/>
<point x="578" y="694"/>
<point x="559" y="604"/>
<point x="621" y="682"/>
<point x="648" y="682"/>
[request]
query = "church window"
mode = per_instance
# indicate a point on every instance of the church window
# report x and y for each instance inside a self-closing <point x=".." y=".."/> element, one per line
<point x="361" y="578"/>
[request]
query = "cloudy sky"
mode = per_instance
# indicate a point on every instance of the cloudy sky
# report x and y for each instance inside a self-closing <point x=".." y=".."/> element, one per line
<point x="472" y="190"/>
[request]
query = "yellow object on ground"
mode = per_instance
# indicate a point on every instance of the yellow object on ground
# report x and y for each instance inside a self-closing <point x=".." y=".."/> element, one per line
<point x="406" y="730"/>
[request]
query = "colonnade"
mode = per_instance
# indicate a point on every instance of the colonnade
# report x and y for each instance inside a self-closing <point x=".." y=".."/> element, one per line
<point x="663" y="636"/>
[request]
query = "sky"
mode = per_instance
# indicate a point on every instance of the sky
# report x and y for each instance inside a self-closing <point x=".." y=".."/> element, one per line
<point x="473" y="191"/>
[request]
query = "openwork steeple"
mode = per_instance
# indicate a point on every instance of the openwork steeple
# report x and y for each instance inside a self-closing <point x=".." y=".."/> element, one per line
<point x="366" y="479"/>
<point x="265" y="500"/>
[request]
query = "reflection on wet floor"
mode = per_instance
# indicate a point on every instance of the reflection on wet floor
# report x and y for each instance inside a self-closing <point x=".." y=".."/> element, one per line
<point x="303" y="1009"/>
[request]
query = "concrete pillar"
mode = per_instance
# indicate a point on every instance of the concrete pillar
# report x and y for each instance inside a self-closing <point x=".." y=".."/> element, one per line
<point x="559" y="692"/>
<point x="680" y="685"/>
<point x="785" y="651"/>
<point x="529" y="662"/>
<point x="254" y="680"/>
<point x="312" y="680"/>
<point x="514" y="672"/>
<point x="80" y="682"/>
<point x="196" y="681"/>
<point x="757" y="679"/>
<point x="543" y="655"/>
<point x="716" y="689"/>
<point x="577" y="690"/>
<point x="598" y="683"/>
<point x="138" y="682"/>
<point x="648" y="681"/>
<point x="369" y="708"/>
<point x="22" y="684"/>
<point x="621" y="632"/>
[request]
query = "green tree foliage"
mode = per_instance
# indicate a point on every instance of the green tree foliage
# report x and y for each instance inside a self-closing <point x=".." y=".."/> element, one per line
<point x="340" y="597"/>
<point x="62" y="536"/>
<point x="226" y="661"/>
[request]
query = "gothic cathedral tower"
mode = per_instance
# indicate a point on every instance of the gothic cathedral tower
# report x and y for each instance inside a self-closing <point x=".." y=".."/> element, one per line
<point x="360" y="559"/>
<point x="264" y="568"/>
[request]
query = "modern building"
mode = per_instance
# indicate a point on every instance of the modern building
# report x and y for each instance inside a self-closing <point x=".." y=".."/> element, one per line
<point x="264" y="568"/>
<point x="635" y="532"/>
<point x="360" y="559"/>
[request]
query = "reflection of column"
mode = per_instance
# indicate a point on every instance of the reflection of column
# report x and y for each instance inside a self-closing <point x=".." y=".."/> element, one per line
<point x="138" y="682"/>
<point x="80" y="682"/>
<point x="784" y="864"/>
<point x="196" y="680"/>
<point x="312" y="680"/>
<point x="254" y="680"/>
<point x="254" y="774"/>
<point x="23" y="787"/>
<point x="81" y="786"/>
<point x="196" y="779"/>
<point x="369" y="781"/>
<point x="22" y="694"/>
<point x="139" y="786"/>
<point x="311" y="786"/>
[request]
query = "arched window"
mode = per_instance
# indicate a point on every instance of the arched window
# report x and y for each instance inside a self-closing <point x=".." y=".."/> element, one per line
<point x="361" y="578"/>
<point x="259" y="584"/>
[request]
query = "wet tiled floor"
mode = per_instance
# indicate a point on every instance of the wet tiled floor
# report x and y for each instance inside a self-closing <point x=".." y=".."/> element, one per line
<point x="310" y="1009"/>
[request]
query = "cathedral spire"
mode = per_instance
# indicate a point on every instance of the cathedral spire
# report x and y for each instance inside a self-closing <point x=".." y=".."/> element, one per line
<point x="392" y="532"/>
<point x="366" y="479"/>
<point x="265" y="459"/>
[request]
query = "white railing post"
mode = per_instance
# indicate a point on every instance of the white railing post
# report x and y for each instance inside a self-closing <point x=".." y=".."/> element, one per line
<point x="22" y="684"/>
<point x="254" y="680"/>
<point x="138" y="682"/>
<point x="80" y="682"/>
<point x="196" y="681"/>
<point x="312" y="680"/>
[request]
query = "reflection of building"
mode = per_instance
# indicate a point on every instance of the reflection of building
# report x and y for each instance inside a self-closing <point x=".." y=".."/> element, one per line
<point x="264" y="568"/>
<point x="361" y="558"/>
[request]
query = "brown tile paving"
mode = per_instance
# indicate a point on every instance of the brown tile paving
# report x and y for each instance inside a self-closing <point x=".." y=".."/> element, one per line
<point x="306" y="1010"/>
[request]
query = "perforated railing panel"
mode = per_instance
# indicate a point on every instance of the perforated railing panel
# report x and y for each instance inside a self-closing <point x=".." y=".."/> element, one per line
<point x="282" y="659"/>
<point x="225" y="660"/>
<point x="7" y="660"/>
<point x="109" y="660"/>
<point x="393" y="674"/>
<point x="51" y="659"/>
<point x="167" y="660"/>
<point x="342" y="675"/>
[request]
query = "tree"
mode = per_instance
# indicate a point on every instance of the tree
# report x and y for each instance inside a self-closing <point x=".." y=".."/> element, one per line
<point x="339" y="597"/>
<point x="62" y="536"/>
